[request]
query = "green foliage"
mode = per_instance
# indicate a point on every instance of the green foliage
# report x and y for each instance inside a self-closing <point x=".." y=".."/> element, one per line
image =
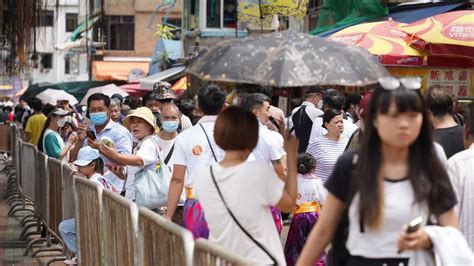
<point x="164" y="32"/>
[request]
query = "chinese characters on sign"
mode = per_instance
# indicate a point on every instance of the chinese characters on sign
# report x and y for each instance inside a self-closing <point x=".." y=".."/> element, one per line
<point x="458" y="81"/>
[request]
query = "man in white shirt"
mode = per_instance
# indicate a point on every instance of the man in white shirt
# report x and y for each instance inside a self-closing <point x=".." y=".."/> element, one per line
<point x="461" y="172"/>
<point x="169" y="118"/>
<point x="302" y="117"/>
<point x="332" y="100"/>
<point x="269" y="147"/>
<point x="195" y="147"/>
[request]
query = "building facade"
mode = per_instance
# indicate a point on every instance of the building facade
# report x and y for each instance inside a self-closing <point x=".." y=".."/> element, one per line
<point x="129" y="35"/>
<point x="55" y="25"/>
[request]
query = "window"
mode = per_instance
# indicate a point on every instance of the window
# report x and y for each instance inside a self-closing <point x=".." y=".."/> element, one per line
<point x="221" y="13"/>
<point x="71" y="22"/>
<point x="67" y="65"/>
<point x="46" y="61"/>
<point x="176" y="22"/>
<point x="45" y="18"/>
<point x="120" y="33"/>
<point x="191" y="15"/>
<point x="230" y="13"/>
<point x="213" y="12"/>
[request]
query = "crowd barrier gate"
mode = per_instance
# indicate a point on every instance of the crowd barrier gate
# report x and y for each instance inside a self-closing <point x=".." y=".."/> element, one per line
<point x="5" y="138"/>
<point x="68" y="191"/>
<point x="121" y="231"/>
<point x="163" y="242"/>
<point x="89" y="229"/>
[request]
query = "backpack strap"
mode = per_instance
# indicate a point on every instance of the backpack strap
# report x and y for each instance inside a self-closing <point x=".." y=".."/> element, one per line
<point x="209" y="142"/>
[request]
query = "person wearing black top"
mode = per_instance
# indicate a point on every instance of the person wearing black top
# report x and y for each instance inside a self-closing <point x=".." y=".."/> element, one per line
<point x="446" y="131"/>
<point x="369" y="183"/>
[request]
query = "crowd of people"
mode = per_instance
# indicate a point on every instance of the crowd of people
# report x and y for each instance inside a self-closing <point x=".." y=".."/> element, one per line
<point x="352" y="171"/>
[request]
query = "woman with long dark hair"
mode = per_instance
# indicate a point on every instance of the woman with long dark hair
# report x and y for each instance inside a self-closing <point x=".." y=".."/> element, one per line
<point x="395" y="177"/>
<point x="51" y="142"/>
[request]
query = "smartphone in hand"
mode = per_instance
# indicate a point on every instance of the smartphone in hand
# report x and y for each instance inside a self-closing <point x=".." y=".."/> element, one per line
<point x="414" y="225"/>
<point x="90" y="134"/>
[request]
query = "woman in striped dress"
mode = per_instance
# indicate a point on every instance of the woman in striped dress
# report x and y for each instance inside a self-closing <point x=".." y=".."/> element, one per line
<point x="327" y="149"/>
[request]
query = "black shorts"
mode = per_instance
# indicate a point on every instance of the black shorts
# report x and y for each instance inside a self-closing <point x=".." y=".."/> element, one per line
<point x="361" y="261"/>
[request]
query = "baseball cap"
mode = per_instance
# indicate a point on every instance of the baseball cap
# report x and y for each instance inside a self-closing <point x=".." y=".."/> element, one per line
<point x="57" y="111"/>
<point x="86" y="156"/>
<point x="314" y="89"/>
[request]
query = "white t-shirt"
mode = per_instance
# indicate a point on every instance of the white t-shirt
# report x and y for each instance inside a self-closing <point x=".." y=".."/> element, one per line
<point x="148" y="150"/>
<point x="165" y="146"/>
<point x="310" y="189"/>
<point x="269" y="146"/>
<point x="318" y="130"/>
<point x="398" y="211"/>
<point x="192" y="149"/>
<point x="249" y="190"/>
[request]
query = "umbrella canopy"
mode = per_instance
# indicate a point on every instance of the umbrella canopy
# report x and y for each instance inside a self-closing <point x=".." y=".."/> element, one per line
<point x="382" y="39"/>
<point x="108" y="90"/>
<point x="51" y="96"/>
<point x="287" y="59"/>
<point x="450" y="33"/>
<point x="181" y="84"/>
<point x="76" y="88"/>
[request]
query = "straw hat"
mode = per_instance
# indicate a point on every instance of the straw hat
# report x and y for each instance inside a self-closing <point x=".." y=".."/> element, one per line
<point x="143" y="113"/>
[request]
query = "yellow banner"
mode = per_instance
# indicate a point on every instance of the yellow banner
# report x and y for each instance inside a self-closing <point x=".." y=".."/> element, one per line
<point x="287" y="8"/>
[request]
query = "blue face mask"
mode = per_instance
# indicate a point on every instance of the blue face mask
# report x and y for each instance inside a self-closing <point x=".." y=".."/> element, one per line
<point x="170" y="126"/>
<point x="98" y="119"/>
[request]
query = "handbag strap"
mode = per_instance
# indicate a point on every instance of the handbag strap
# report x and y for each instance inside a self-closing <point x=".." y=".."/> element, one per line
<point x="168" y="157"/>
<point x="237" y="222"/>
<point x="209" y="142"/>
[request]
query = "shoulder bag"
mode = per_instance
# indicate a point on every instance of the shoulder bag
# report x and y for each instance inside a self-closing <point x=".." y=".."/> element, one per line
<point x="151" y="185"/>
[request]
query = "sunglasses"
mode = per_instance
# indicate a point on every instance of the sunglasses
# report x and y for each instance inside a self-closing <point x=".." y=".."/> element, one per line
<point x="392" y="83"/>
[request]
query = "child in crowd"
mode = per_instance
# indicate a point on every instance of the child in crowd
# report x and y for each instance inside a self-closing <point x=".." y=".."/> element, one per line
<point x="91" y="166"/>
<point x="310" y="197"/>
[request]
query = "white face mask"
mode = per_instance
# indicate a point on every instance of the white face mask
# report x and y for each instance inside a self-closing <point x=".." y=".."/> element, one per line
<point x="320" y="105"/>
<point x="61" y="122"/>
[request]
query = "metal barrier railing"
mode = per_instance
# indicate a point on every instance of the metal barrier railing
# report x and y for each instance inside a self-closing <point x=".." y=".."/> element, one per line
<point x="110" y="229"/>
<point x="209" y="254"/>
<point x="163" y="242"/>
<point x="28" y="170"/>
<point x="41" y="187"/>
<point x="5" y="138"/>
<point x="120" y="235"/>
<point x="68" y="192"/>
<point x="54" y="194"/>
<point x="88" y="201"/>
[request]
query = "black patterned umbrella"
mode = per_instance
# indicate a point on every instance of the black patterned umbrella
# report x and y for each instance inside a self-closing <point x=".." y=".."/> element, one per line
<point x="287" y="59"/>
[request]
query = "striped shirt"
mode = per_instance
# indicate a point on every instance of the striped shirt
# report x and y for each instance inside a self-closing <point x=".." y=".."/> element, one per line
<point x="326" y="152"/>
<point x="461" y="172"/>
